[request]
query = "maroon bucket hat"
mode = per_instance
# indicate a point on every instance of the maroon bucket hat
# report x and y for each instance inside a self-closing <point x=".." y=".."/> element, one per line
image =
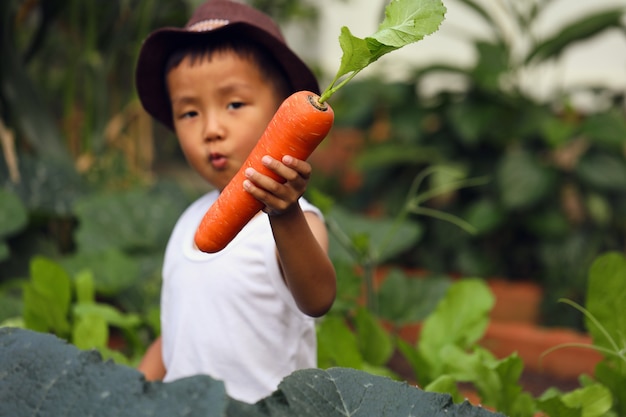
<point x="210" y="18"/>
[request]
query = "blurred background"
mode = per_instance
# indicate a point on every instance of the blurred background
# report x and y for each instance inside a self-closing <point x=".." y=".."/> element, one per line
<point x="494" y="148"/>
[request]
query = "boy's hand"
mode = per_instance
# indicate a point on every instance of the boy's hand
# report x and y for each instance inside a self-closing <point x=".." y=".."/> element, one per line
<point x="278" y="197"/>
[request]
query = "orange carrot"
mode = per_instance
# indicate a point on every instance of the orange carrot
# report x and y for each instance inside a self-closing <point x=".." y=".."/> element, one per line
<point x="298" y="127"/>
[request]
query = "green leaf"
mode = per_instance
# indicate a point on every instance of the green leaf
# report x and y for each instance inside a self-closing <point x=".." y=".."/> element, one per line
<point x="90" y="332"/>
<point x="599" y="208"/>
<point x="497" y="381"/>
<point x="549" y="223"/>
<point x="47" y="297"/>
<point x="113" y="270"/>
<point x="108" y="313"/>
<point x="13" y="214"/>
<point x="337" y="345"/>
<point x="374" y="342"/>
<point x="349" y="288"/>
<point x="321" y="200"/>
<point x="344" y="392"/>
<point x="552" y="403"/>
<point x="606" y="129"/>
<point x="356" y="52"/>
<point x="493" y="62"/>
<point x="404" y="299"/>
<point x="522" y="180"/>
<point x="484" y="215"/>
<point x="594" y="400"/>
<point x="510" y="396"/>
<point x="423" y="371"/>
<point x="138" y="219"/>
<point x="445" y="384"/>
<point x="584" y="28"/>
<point x="44" y="375"/>
<point x="11" y="304"/>
<point x="611" y="377"/>
<point x="473" y="122"/>
<point x="460" y="319"/>
<point x="394" y="154"/>
<point x="47" y="185"/>
<point x="557" y="131"/>
<point x="406" y="21"/>
<point x="472" y="366"/>
<point x="603" y="171"/>
<point x="85" y="287"/>
<point x="606" y="297"/>
<point x="379" y="238"/>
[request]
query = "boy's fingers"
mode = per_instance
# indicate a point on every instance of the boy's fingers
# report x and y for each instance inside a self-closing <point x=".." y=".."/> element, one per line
<point x="289" y="168"/>
<point x="303" y="168"/>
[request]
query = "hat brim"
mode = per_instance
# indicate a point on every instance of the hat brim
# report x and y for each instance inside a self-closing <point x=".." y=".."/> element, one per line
<point x="157" y="48"/>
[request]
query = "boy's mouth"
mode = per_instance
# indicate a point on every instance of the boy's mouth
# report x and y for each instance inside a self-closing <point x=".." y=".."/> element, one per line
<point x="218" y="161"/>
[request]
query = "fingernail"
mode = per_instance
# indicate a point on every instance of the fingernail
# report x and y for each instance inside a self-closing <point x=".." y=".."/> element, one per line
<point x="266" y="160"/>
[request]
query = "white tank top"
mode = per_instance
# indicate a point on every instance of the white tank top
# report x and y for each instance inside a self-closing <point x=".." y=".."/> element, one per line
<point x="229" y="314"/>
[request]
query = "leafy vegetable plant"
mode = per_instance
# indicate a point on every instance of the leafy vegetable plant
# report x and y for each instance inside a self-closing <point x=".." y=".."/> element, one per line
<point x="363" y="345"/>
<point x="605" y="321"/>
<point x="448" y="353"/>
<point x="66" y="306"/>
<point x="42" y="375"/>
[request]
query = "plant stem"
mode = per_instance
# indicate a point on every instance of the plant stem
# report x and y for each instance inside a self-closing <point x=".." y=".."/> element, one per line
<point x="451" y="186"/>
<point x="445" y="217"/>
<point x="593" y="319"/>
<point x="332" y="89"/>
<point x="369" y="268"/>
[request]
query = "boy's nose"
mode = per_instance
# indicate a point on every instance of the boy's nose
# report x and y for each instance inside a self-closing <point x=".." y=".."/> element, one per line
<point x="213" y="130"/>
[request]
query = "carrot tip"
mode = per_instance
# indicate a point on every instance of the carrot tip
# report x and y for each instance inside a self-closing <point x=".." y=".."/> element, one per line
<point x="314" y="100"/>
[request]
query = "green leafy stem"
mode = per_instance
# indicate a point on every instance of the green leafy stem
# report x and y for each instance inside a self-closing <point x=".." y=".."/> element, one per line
<point x="405" y="22"/>
<point x="615" y="349"/>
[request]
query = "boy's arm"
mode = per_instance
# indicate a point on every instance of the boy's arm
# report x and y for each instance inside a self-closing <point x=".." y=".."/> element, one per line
<point x="151" y="364"/>
<point x="301" y="239"/>
<point x="302" y="244"/>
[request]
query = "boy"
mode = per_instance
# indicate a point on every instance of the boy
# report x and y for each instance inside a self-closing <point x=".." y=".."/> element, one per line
<point x="244" y="315"/>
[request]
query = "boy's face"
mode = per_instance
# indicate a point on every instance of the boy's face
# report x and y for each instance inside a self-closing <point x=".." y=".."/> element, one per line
<point x="220" y="108"/>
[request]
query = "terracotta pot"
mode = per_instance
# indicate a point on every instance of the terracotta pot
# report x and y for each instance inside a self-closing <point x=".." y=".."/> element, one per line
<point x="516" y="301"/>
<point x="515" y="328"/>
<point x="532" y="343"/>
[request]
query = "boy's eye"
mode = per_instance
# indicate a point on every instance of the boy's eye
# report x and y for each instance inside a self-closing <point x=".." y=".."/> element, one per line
<point x="188" y="114"/>
<point x="235" y="105"/>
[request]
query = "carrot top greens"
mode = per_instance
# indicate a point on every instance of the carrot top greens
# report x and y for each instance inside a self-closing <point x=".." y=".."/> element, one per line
<point x="406" y="21"/>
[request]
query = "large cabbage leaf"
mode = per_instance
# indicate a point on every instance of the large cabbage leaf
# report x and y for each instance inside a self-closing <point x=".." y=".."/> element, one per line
<point x="42" y="375"/>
